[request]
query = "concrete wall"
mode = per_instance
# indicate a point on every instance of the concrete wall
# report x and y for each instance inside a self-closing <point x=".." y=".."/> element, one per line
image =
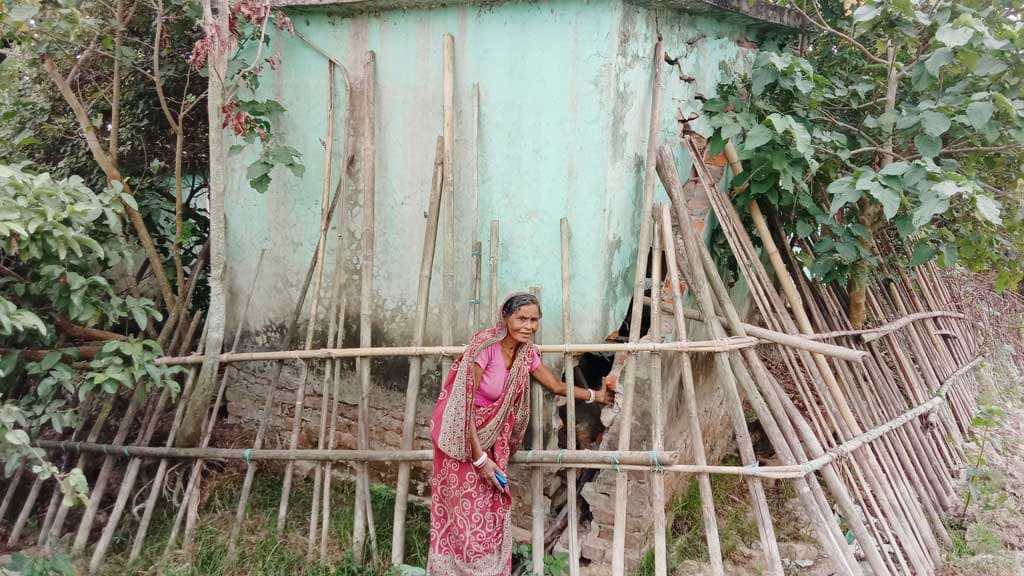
<point x="565" y="98"/>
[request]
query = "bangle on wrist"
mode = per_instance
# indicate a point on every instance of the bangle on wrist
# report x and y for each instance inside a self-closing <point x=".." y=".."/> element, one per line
<point x="591" y="399"/>
<point x="480" y="462"/>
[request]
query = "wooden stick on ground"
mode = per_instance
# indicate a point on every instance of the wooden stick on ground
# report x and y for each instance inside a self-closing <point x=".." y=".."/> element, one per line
<point x="365" y="304"/>
<point x="643" y="245"/>
<point x="412" y="387"/>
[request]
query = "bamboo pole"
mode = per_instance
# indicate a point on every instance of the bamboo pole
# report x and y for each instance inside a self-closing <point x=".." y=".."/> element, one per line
<point x="707" y="499"/>
<point x="100" y="486"/>
<point x="657" y="479"/>
<point x="132" y="472"/>
<point x="339" y="314"/>
<point x="474" y="201"/>
<point x="415" y="362"/>
<point x="26" y="510"/>
<point x="806" y="343"/>
<point x="723" y="345"/>
<point x="492" y="283"/>
<point x="538" y="514"/>
<point x="12" y="487"/>
<point x="268" y="402"/>
<point x="570" y="406"/>
<point x="448" y="197"/>
<point x="161" y="472"/>
<point x="698" y="283"/>
<point x="366" y="304"/>
<point x="314" y="513"/>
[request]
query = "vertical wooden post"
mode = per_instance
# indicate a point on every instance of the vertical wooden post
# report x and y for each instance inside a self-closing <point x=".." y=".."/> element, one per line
<point x="657" y="477"/>
<point x="366" y="301"/>
<point x="448" y="287"/>
<point x="639" y="276"/>
<point x="536" y="474"/>
<point x="474" y="202"/>
<point x="570" y="407"/>
<point x="492" y="280"/>
<point x="416" y="362"/>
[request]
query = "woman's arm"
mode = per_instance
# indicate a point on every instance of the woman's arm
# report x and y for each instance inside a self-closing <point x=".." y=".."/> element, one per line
<point x="543" y="375"/>
<point x="488" y="468"/>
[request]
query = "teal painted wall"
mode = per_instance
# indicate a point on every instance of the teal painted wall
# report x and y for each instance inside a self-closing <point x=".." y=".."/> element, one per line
<point x="565" y="99"/>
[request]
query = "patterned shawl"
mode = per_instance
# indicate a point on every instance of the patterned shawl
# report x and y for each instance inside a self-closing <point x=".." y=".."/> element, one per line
<point x="456" y="399"/>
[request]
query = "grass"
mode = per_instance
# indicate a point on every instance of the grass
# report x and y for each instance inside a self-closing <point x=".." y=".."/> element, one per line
<point x="261" y="551"/>
<point x="686" y="540"/>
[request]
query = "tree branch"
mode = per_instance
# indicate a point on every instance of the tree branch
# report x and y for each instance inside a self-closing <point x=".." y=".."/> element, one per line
<point x="111" y="172"/>
<point x="823" y="26"/>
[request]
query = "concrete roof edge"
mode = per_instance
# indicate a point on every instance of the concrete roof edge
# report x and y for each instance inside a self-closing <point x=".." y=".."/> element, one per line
<point x="758" y="10"/>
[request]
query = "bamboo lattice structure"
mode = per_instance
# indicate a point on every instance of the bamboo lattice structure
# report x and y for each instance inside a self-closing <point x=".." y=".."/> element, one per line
<point x="868" y="440"/>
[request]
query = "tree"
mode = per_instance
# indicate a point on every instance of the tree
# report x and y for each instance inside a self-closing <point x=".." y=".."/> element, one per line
<point x="902" y="114"/>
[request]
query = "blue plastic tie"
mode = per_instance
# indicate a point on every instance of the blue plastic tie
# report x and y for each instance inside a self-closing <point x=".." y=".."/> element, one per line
<point x="529" y="454"/>
<point x="474" y="301"/>
<point x="246" y="454"/>
<point x="658" y="468"/>
<point x="615" y="461"/>
<point x="560" y="454"/>
<point x="126" y="452"/>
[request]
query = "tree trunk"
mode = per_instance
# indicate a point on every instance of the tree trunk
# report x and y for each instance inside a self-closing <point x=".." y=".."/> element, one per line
<point x="215" y="15"/>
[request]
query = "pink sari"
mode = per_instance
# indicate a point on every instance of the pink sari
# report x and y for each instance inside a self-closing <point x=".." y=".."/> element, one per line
<point x="469" y="519"/>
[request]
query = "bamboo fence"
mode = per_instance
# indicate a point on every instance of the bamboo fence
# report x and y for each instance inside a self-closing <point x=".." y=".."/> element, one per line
<point x="875" y="439"/>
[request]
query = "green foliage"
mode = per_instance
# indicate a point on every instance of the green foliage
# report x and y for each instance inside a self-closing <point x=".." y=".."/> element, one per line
<point x="57" y="564"/>
<point x="815" y="130"/>
<point x="522" y="561"/>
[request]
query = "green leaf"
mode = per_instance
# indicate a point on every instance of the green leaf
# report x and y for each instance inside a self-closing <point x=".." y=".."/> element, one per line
<point x="17" y="438"/>
<point x="758" y="136"/>
<point x="989" y="208"/>
<point x="848" y="251"/>
<point x="989" y="65"/>
<point x="867" y="12"/>
<point x="888" y="198"/>
<point x="949" y="255"/>
<point x="904" y="226"/>
<point x="260" y="184"/>
<point x="804" y="228"/>
<point x="937" y="60"/>
<point x="761" y="78"/>
<point x="953" y="37"/>
<point x="140" y="317"/>
<point x="843" y="192"/>
<point x="979" y="113"/>
<point x="928" y="146"/>
<point x="129" y="200"/>
<point x="935" y="123"/>
<point x="49" y="361"/>
<point x="22" y="11"/>
<point x="923" y="252"/>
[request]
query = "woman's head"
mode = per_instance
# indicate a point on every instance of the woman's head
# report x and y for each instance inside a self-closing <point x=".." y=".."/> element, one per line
<point x="521" y="314"/>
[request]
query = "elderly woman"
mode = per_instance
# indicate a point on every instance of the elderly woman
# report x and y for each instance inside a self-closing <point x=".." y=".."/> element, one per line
<point x="477" y="424"/>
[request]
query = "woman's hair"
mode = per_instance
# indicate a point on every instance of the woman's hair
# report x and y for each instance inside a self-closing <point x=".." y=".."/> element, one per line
<point x="517" y="301"/>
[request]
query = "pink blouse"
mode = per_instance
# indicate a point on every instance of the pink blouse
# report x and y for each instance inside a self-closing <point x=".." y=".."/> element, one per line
<point x="495" y="374"/>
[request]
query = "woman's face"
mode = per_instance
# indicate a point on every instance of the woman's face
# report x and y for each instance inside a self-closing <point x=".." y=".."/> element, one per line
<point x="523" y="323"/>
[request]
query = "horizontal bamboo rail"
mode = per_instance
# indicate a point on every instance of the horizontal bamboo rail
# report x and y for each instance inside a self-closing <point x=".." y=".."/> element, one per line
<point x="593" y="459"/>
<point x="720" y="345"/>
<point x="808" y="343"/>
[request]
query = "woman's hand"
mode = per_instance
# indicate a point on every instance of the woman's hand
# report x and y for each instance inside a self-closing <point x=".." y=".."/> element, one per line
<point x="606" y="395"/>
<point x="487" y="471"/>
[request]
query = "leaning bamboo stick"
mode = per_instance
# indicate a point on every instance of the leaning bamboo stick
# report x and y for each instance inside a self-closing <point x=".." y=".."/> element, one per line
<point x="698" y="283"/>
<point x="657" y="479"/>
<point x="132" y="472"/>
<point x="161" y="472"/>
<point x="12" y="487"/>
<point x="474" y="203"/>
<point x="806" y="343"/>
<point x="412" y="387"/>
<point x="570" y="407"/>
<point x="26" y="510"/>
<point x="314" y="514"/>
<point x="707" y="500"/>
<point x="268" y="402"/>
<point x="365" y="304"/>
<point x="536" y="475"/>
<point x="492" y="283"/>
<point x="339" y="334"/>
<point x="629" y="376"/>
<point x="448" y="196"/>
<point x="300" y="390"/>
